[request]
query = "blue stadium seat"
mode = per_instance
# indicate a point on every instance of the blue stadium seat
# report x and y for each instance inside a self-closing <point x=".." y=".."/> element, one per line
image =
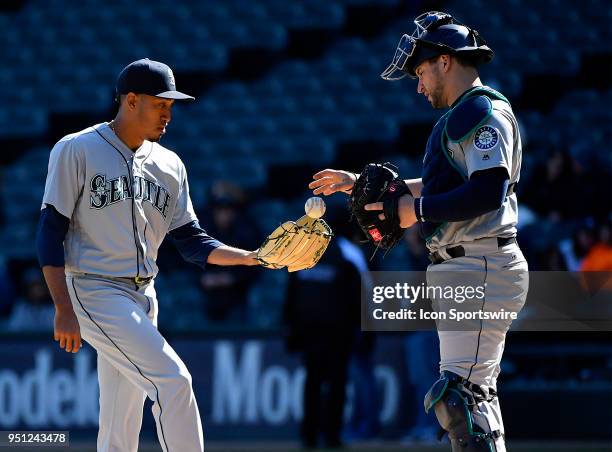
<point x="276" y="106"/>
<point x="336" y="126"/>
<point x="265" y="34"/>
<point x="373" y="126"/>
<point x="266" y="297"/>
<point x="369" y="2"/>
<point x="267" y="88"/>
<point x="312" y="149"/>
<point x="22" y="121"/>
<point x="303" y="86"/>
<point x="300" y="110"/>
<point x="273" y="149"/>
<point x="315" y="105"/>
<point x="269" y="213"/>
<point x="293" y="125"/>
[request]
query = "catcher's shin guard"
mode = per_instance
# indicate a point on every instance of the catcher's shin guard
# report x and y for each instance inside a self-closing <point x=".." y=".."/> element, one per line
<point x="453" y="406"/>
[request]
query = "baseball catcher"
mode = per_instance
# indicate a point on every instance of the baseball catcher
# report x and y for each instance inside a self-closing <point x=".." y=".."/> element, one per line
<point x="467" y="210"/>
<point x="297" y="245"/>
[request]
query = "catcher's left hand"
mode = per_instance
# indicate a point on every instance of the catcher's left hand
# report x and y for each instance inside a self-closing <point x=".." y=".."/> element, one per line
<point x="296" y="245"/>
<point x="405" y="210"/>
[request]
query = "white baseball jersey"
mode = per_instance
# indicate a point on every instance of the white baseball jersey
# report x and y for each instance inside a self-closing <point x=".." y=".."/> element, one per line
<point x="495" y="143"/>
<point x="121" y="203"/>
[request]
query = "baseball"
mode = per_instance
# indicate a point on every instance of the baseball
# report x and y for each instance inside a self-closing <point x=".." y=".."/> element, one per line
<point x="315" y="207"/>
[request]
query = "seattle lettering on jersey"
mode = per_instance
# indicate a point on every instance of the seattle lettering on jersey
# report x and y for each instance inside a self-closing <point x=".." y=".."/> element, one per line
<point x="105" y="192"/>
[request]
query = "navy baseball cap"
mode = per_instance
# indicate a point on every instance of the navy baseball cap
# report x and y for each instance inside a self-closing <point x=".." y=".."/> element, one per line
<point x="149" y="77"/>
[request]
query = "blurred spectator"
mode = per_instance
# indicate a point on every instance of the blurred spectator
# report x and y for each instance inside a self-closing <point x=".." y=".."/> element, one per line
<point x="227" y="288"/>
<point x="2" y="214"/>
<point x="34" y="311"/>
<point x="418" y="259"/>
<point x="321" y="316"/>
<point x="421" y="351"/>
<point x="576" y="248"/>
<point x="364" y="422"/>
<point x="551" y="259"/>
<point x="6" y="291"/>
<point x="548" y="191"/>
<point x="599" y="257"/>
<point x="422" y="362"/>
<point x="408" y="255"/>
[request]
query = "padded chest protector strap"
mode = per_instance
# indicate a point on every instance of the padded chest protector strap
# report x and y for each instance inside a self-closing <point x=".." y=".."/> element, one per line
<point x="467" y="117"/>
<point x="471" y="113"/>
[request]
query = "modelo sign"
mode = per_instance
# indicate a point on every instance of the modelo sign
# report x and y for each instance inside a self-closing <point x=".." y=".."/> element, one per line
<point x="46" y="395"/>
<point x="247" y="384"/>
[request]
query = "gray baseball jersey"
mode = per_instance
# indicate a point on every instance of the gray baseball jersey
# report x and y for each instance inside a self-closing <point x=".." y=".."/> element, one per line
<point x="116" y="225"/>
<point x="121" y="205"/>
<point x="495" y="143"/>
<point x="475" y="353"/>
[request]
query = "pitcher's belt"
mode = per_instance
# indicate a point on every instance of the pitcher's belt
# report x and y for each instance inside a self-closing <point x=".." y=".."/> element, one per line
<point x="138" y="280"/>
<point x="459" y="251"/>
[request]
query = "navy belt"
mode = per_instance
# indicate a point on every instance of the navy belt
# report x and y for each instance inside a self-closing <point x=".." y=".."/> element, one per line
<point x="139" y="281"/>
<point x="459" y="251"/>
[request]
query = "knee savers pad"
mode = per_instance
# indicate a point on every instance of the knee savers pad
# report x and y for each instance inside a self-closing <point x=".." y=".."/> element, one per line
<point x="453" y="411"/>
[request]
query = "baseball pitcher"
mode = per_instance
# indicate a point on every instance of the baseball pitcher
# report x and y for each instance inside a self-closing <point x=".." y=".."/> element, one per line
<point x="112" y="195"/>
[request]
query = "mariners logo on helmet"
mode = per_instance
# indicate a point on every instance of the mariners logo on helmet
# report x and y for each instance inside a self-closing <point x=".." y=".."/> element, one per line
<point x="485" y="138"/>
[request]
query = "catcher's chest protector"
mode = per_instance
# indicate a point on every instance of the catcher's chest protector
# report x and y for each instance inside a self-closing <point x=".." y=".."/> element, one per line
<point x="439" y="173"/>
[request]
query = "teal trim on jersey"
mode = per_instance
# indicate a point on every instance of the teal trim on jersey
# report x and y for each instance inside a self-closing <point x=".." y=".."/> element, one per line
<point x="490" y="92"/>
<point x="447" y="154"/>
<point x="438" y="397"/>
<point x="494" y="93"/>
<point x="429" y="238"/>
<point x="487" y="440"/>
<point x="444" y="136"/>
<point x="468" y="415"/>
<point x="470" y="425"/>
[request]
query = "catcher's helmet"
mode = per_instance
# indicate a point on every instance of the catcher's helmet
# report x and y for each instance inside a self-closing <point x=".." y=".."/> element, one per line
<point x="436" y="34"/>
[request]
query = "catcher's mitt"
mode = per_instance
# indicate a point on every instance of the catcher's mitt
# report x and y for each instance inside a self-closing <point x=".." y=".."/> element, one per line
<point x="296" y="245"/>
<point x="378" y="183"/>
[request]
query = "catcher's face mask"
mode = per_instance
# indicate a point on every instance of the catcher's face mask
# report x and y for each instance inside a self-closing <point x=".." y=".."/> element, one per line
<point x="405" y="49"/>
<point x="407" y="45"/>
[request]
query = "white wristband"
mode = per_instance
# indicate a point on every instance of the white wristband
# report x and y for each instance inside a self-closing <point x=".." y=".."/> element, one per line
<point x="421" y="209"/>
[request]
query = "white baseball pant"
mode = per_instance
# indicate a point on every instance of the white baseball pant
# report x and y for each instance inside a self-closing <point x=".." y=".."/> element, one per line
<point x="134" y="360"/>
<point x="475" y="353"/>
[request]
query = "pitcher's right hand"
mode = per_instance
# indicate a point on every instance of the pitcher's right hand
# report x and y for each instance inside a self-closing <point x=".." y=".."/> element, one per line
<point x="330" y="181"/>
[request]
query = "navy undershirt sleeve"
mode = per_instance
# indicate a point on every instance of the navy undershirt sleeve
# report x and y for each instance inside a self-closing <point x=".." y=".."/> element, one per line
<point x="193" y="243"/>
<point x="50" y="234"/>
<point x="484" y="192"/>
